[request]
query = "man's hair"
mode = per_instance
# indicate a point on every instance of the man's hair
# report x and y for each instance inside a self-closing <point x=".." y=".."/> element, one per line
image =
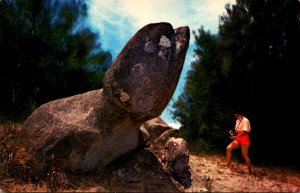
<point x="239" y="110"/>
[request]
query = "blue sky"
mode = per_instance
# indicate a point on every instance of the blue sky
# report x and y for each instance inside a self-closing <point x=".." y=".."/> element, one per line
<point x="118" y="20"/>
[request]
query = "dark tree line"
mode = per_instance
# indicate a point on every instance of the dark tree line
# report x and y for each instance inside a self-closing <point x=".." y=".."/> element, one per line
<point x="46" y="52"/>
<point x="251" y="65"/>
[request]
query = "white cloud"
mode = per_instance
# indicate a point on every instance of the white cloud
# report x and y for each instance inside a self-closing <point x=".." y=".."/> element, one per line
<point x="178" y="12"/>
<point x="144" y="12"/>
<point x="127" y="16"/>
<point x="115" y="28"/>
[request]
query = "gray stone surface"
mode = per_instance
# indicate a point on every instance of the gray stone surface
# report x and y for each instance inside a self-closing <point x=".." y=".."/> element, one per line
<point x="175" y="155"/>
<point x="155" y="127"/>
<point x="89" y="130"/>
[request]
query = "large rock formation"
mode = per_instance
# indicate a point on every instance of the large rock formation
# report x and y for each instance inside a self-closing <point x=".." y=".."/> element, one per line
<point x="92" y="129"/>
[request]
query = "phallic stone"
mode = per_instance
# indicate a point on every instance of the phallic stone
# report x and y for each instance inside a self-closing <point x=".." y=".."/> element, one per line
<point x="89" y="130"/>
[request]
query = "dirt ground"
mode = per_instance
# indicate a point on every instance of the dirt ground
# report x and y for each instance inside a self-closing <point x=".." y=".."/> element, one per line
<point x="142" y="172"/>
<point x="209" y="175"/>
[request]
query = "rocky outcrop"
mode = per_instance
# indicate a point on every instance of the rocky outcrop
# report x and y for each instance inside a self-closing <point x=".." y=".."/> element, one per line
<point x="175" y="157"/>
<point x="157" y="131"/>
<point x="157" y="126"/>
<point x="92" y="129"/>
<point x="172" y="152"/>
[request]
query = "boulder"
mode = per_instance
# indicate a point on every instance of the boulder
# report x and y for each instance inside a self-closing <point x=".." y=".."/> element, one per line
<point x="155" y="127"/>
<point x="90" y="130"/>
<point x="156" y="132"/>
<point x="165" y="136"/>
<point x="175" y="157"/>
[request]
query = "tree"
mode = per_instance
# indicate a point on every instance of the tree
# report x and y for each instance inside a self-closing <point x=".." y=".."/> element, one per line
<point x="197" y="108"/>
<point x="46" y="53"/>
<point x="259" y="40"/>
<point x="254" y="59"/>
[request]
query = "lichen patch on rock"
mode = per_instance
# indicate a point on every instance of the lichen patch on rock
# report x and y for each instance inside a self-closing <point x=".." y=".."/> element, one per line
<point x="150" y="47"/>
<point x="164" y="41"/>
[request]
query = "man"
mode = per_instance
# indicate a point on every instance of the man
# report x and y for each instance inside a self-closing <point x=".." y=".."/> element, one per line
<point x="242" y="128"/>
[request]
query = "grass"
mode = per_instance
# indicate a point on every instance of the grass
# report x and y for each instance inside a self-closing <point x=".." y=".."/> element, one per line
<point x="8" y="147"/>
<point x="12" y="161"/>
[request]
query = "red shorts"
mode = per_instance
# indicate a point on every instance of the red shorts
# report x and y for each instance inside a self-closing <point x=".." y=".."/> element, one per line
<point x="243" y="138"/>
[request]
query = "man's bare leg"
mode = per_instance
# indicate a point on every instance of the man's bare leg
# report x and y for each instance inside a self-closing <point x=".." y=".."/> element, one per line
<point x="244" y="149"/>
<point x="233" y="145"/>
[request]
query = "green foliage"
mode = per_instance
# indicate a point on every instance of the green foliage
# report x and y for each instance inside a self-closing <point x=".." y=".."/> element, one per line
<point x="251" y="65"/>
<point x="46" y="53"/>
<point x="202" y="146"/>
<point x="260" y="40"/>
<point x="198" y="109"/>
